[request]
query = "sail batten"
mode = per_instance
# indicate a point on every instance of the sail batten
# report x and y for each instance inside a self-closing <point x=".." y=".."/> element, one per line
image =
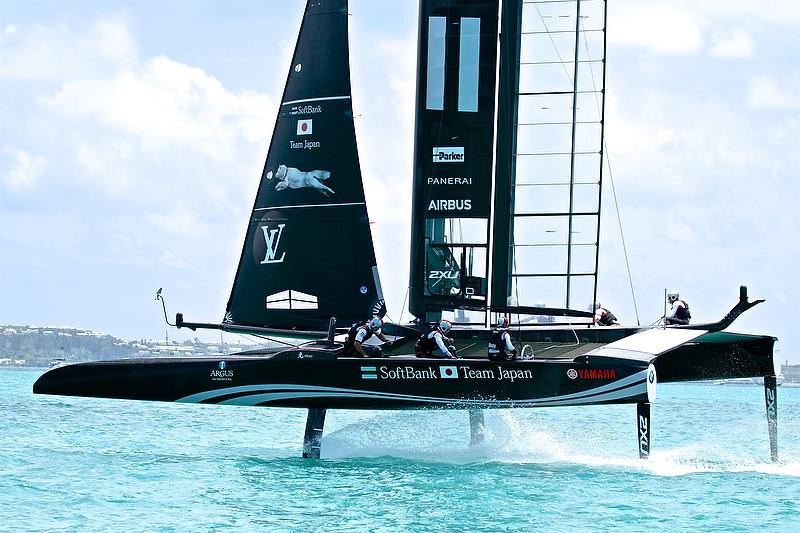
<point x="317" y="99"/>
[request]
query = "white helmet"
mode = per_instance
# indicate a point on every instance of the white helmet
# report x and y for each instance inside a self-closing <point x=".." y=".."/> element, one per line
<point x="502" y="322"/>
<point x="445" y="325"/>
<point x="672" y="295"/>
<point x="375" y="323"/>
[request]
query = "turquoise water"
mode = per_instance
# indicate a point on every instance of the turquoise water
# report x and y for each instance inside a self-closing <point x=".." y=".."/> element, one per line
<point x="83" y="464"/>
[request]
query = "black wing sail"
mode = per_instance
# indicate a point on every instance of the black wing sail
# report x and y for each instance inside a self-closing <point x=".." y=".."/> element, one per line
<point x="516" y="233"/>
<point x="457" y="60"/>
<point x="308" y="253"/>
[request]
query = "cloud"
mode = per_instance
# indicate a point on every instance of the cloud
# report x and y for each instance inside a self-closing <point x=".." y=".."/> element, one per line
<point x="164" y="102"/>
<point x="22" y="170"/>
<point x="54" y="52"/>
<point x="162" y="126"/>
<point x="766" y="93"/>
<point x="663" y="28"/>
<point x="735" y="43"/>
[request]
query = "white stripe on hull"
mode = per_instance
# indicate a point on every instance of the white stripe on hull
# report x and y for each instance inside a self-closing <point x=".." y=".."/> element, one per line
<point x="634" y="385"/>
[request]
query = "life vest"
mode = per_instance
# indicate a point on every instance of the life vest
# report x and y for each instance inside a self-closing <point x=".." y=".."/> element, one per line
<point x="497" y="345"/>
<point x="350" y="342"/>
<point x="607" y="318"/>
<point x="683" y="311"/>
<point x="426" y="344"/>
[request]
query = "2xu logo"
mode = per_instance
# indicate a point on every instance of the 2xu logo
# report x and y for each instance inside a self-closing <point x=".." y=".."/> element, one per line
<point x="443" y="274"/>
<point x="772" y="407"/>
<point x="644" y="437"/>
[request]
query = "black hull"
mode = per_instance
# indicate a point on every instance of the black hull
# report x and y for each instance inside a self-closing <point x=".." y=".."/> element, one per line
<point x="306" y="379"/>
<point x="718" y="355"/>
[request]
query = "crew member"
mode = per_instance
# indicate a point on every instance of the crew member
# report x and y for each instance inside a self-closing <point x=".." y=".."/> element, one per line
<point x="500" y="346"/>
<point x="679" y="312"/>
<point x="436" y="339"/>
<point x="361" y="332"/>
<point x="604" y="317"/>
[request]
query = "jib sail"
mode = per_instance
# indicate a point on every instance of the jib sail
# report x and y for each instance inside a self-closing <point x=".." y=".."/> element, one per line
<point x="308" y="252"/>
<point x="516" y="214"/>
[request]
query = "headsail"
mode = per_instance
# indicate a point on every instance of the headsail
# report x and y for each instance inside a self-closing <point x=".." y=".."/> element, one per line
<point x="516" y="213"/>
<point x="308" y="252"/>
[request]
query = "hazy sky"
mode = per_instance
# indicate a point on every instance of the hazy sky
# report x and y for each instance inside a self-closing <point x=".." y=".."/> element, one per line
<point x="132" y="137"/>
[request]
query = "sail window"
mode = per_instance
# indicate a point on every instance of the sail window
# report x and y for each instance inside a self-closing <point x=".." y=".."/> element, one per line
<point x="291" y="300"/>
<point x="456" y="258"/>
<point x="469" y="59"/>
<point x="437" y="27"/>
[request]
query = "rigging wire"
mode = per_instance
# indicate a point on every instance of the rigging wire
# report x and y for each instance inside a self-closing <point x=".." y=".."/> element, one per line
<point x="607" y="159"/>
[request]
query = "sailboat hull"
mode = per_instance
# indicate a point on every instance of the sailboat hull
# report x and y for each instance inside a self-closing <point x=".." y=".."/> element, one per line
<point x="304" y="379"/>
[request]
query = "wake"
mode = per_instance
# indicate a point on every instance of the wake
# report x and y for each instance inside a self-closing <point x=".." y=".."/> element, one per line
<point x="531" y="437"/>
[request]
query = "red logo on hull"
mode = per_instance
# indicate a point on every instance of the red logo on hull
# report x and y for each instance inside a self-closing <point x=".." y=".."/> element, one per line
<point x="597" y="373"/>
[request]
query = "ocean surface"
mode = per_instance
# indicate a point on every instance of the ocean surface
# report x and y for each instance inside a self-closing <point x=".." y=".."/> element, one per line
<point x="83" y="464"/>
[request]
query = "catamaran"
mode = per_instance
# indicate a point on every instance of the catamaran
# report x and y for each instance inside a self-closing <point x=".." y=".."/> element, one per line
<point x="506" y="215"/>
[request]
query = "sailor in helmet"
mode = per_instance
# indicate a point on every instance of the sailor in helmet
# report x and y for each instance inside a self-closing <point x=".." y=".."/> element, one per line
<point x="604" y="317"/>
<point x="679" y="310"/>
<point x="361" y="332"/>
<point x="435" y="343"/>
<point x="500" y="346"/>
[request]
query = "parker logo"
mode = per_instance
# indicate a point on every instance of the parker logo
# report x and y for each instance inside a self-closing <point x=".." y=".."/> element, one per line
<point x="273" y="238"/>
<point x="450" y="154"/>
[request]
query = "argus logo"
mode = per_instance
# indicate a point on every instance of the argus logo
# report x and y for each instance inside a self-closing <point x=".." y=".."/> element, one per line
<point x="222" y="374"/>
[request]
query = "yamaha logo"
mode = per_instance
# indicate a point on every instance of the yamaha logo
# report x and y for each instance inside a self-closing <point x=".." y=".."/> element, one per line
<point x="572" y="373"/>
